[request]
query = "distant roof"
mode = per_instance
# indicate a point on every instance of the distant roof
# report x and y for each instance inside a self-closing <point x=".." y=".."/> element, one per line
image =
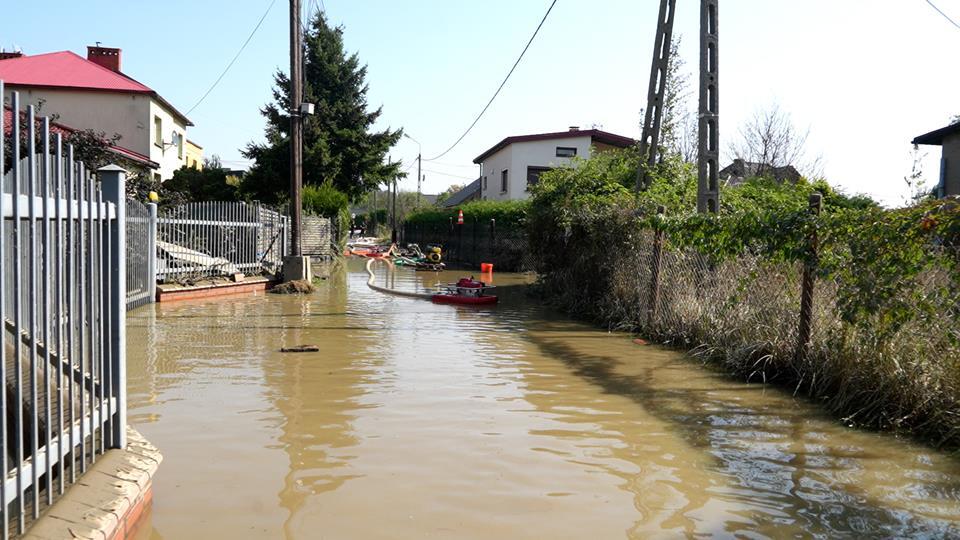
<point x="595" y="135"/>
<point x="740" y="170"/>
<point x="68" y="70"/>
<point x="464" y="194"/>
<point x="56" y="127"/>
<point x="936" y="137"/>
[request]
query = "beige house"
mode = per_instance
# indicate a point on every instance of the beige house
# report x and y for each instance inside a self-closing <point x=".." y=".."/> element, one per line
<point x="948" y="138"/>
<point x="93" y="93"/>
<point x="194" y="155"/>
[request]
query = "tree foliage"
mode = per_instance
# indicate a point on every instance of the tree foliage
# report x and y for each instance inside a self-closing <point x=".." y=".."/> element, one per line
<point x="340" y="145"/>
<point x="211" y="183"/>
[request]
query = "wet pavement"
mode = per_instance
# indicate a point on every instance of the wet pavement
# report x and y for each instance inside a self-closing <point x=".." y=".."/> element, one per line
<point x="418" y="420"/>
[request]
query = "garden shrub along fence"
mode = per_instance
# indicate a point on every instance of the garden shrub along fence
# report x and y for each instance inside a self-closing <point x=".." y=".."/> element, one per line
<point x="858" y="309"/>
<point x="476" y="241"/>
<point x="62" y="314"/>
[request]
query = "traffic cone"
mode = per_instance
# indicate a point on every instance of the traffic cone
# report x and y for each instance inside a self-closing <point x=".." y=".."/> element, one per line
<point x="460" y="217"/>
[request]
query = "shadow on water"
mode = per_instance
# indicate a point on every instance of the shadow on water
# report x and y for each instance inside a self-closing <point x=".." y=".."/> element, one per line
<point x="774" y="451"/>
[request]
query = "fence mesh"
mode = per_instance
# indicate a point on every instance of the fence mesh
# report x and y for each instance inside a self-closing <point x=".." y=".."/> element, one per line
<point x="208" y="239"/>
<point x="139" y="244"/>
<point x="476" y="242"/>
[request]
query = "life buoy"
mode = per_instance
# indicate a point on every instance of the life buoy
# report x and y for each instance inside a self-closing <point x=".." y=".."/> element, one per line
<point x="433" y="257"/>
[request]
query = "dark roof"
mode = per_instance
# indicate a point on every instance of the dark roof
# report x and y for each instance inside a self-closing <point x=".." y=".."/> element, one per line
<point x="70" y="71"/>
<point x="595" y="135"/>
<point x="936" y="137"/>
<point x="740" y="170"/>
<point x="57" y="127"/>
<point x="472" y="189"/>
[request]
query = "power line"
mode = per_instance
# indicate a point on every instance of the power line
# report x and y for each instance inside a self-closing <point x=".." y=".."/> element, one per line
<point x="452" y="175"/>
<point x="945" y="16"/>
<point x="242" y="47"/>
<point x="495" y="94"/>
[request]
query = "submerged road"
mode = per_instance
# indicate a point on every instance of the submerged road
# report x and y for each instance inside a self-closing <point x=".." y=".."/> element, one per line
<point x="432" y="421"/>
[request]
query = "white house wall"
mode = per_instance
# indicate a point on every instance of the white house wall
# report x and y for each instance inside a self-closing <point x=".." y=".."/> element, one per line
<point x="129" y="115"/>
<point x="166" y="155"/>
<point x="109" y="112"/>
<point x="518" y="156"/>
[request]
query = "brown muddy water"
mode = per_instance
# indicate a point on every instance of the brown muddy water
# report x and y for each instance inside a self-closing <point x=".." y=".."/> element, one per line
<point x="430" y="421"/>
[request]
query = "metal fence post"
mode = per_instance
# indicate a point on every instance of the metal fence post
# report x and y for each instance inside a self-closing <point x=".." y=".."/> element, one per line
<point x="655" y="266"/>
<point x="152" y="252"/>
<point x="113" y="182"/>
<point x="805" y="327"/>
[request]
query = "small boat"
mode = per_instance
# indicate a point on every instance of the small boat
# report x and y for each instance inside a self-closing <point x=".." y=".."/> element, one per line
<point x="467" y="291"/>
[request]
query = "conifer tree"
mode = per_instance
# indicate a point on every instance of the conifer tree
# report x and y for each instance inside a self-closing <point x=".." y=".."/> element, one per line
<point x="339" y="143"/>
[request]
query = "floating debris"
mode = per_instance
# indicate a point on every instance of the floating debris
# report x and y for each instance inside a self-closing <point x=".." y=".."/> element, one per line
<point x="301" y="348"/>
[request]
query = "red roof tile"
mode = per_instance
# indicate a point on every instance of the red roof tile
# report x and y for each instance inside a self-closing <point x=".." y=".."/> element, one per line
<point x="66" y="70"/>
<point x="69" y="70"/>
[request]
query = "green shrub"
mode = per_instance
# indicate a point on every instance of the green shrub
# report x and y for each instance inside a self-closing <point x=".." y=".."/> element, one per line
<point x="507" y="213"/>
<point x="326" y="201"/>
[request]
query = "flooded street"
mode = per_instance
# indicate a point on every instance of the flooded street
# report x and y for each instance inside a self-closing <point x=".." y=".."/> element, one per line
<point x="432" y="421"/>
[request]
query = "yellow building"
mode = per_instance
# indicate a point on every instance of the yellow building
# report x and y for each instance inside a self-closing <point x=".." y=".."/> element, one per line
<point x="194" y="155"/>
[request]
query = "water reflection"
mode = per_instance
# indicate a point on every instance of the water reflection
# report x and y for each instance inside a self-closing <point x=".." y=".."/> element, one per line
<point x="421" y="420"/>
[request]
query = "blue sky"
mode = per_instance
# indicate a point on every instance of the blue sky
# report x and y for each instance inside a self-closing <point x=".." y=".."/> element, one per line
<point x="865" y="76"/>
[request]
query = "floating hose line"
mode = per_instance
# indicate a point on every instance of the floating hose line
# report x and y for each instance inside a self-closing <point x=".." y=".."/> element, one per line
<point x="373" y="277"/>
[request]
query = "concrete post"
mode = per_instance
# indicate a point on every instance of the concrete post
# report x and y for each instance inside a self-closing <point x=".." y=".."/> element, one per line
<point x="805" y="327"/>
<point x="650" y="138"/>
<point x="113" y="181"/>
<point x="655" y="266"/>
<point x="708" y="184"/>
<point x="152" y="251"/>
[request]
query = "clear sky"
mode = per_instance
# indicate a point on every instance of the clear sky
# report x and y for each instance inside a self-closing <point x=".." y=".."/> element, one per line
<point x="865" y="76"/>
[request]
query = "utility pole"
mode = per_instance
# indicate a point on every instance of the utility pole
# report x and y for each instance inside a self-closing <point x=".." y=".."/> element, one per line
<point x="393" y="236"/>
<point x="419" y="178"/>
<point x="296" y="132"/>
<point x="708" y="186"/>
<point x="650" y="138"/>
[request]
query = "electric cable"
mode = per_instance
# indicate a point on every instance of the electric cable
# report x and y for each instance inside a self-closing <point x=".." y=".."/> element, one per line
<point x="242" y="47"/>
<point x="495" y="94"/>
<point x="945" y="16"/>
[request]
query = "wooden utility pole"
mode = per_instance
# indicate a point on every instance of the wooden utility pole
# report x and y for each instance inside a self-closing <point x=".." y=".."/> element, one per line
<point x="650" y="138"/>
<point x="708" y="183"/>
<point x="296" y="122"/>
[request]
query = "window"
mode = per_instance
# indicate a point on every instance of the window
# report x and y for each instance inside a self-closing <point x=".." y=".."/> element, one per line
<point x="484" y="183"/>
<point x="177" y="138"/>
<point x="566" y="151"/>
<point x="533" y="175"/>
<point x="504" y="181"/>
<point x="156" y="177"/>
<point x="158" y="131"/>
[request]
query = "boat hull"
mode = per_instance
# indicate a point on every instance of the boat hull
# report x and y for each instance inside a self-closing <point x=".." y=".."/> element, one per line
<point x="464" y="300"/>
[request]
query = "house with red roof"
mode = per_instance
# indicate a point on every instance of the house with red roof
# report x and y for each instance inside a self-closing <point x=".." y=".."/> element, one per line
<point x="93" y="93"/>
<point x="510" y="167"/>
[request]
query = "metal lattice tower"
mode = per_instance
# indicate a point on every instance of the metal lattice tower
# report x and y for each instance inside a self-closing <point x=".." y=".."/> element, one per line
<point x="650" y="138"/>
<point x="708" y="185"/>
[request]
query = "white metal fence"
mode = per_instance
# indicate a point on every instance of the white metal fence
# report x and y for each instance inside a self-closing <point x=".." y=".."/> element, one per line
<point x="62" y="306"/>
<point x="207" y="239"/>
<point x="141" y="256"/>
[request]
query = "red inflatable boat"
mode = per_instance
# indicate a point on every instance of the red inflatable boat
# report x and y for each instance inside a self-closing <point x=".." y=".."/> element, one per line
<point x="467" y="291"/>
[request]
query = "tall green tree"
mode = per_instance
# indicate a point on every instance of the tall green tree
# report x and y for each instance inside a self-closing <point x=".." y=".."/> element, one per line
<point x="340" y="145"/>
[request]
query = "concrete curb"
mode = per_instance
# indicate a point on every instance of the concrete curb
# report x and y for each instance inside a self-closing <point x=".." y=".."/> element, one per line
<point x="108" y="501"/>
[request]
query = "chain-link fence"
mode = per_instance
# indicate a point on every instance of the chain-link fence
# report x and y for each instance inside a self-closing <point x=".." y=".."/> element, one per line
<point x="475" y="242"/>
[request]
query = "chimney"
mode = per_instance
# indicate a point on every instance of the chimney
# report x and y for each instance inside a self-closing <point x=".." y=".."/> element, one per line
<point x="107" y="57"/>
<point x="574" y="128"/>
<point x="4" y="55"/>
